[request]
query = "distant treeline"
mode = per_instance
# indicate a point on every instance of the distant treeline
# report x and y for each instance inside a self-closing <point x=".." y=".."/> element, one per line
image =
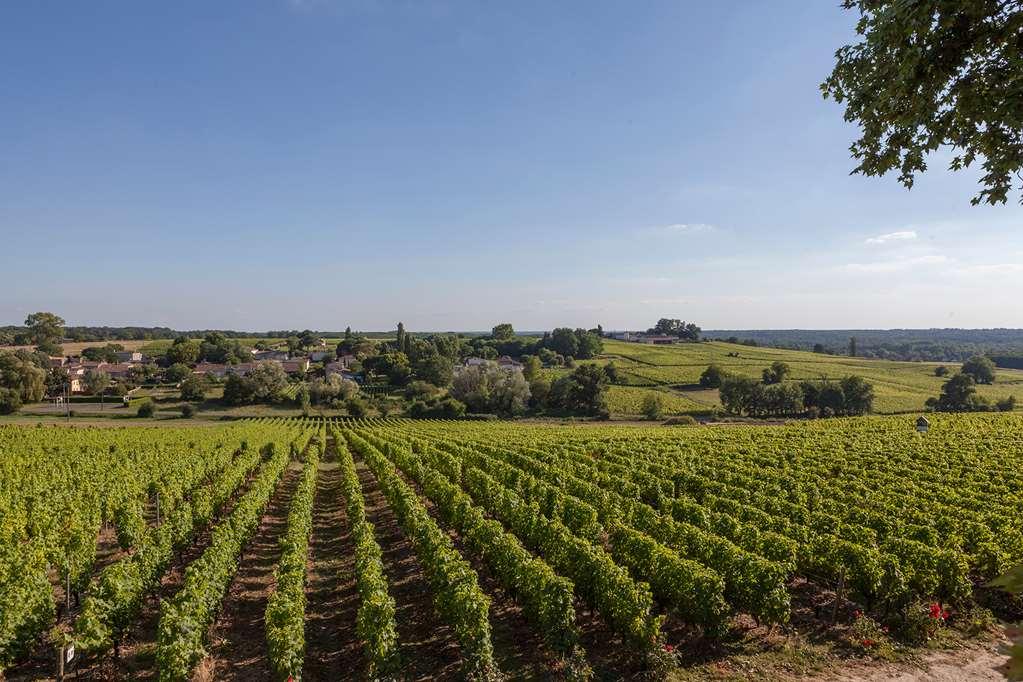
<point x="938" y="345"/>
<point x="18" y="335"/>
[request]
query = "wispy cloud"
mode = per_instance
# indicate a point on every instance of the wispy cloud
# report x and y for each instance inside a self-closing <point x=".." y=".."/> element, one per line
<point x="895" y="265"/>
<point x="686" y="228"/>
<point x="900" y="236"/>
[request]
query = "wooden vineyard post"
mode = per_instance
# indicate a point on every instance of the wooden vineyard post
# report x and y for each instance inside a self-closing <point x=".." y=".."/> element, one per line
<point x="839" y="594"/>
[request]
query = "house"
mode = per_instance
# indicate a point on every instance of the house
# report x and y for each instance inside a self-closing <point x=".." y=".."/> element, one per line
<point x="474" y="362"/>
<point x="506" y="362"/>
<point x="128" y="356"/>
<point x="320" y="355"/>
<point x="260" y="355"/>
<point x="57" y="362"/>
<point x="623" y="336"/>
<point x="117" y="371"/>
<point x="213" y="368"/>
<point x="75" y="384"/>
<point x="346" y="360"/>
<point x="297" y="366"/>
<point x="657" y="340"/>
<point x="93" y="364"/>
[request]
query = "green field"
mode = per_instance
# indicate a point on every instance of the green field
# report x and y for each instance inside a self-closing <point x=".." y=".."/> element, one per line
<point x="675" y="371"/>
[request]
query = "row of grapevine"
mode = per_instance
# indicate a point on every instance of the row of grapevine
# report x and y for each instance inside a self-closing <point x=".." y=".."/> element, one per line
<point x="114" y="599"/>
<point x="285" y="608"/>
<point x="375" y="623"/>
<point x="457" y="594"/>
<point x="547" y="599"/>
<point x="185" y="618"/>
<point x="59" y="486"/>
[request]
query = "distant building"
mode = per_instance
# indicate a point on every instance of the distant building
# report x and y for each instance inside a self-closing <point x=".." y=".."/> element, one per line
<point x="117" y="371"/>
<point x="298" y="366"/>
<point x="212" y="368"/>
<point x="129" y="356"/>
<point x="657" y="340"/>
<point x="57" y="362"/>
<point x="474" y="362"/>
<point x="260" y="355"/>
<point x="506" y="362"/>
<point x="320" y="355"/>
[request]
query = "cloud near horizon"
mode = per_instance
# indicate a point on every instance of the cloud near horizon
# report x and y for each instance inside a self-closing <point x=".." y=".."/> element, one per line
<point x="900" y="236"/>
<point x="896" y="265"/>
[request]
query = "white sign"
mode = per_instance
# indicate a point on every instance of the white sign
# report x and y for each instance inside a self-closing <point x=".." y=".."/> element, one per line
<point x="69" y="653"/>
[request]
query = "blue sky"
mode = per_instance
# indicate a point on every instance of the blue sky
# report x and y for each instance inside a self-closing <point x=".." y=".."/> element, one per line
<point x="320" y="163"/>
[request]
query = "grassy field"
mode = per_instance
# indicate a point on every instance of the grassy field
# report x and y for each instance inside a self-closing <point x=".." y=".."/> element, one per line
<point x="675" y="371"/>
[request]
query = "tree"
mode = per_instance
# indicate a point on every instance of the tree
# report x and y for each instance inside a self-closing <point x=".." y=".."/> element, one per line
<point x="959" y="394"/>
<point x="10" y="400"/>
<point x="932" y="73"/>
<point x="435" y="369"/>
<point x="852" y="346"/>
<point x="308" y="339"/>
<point x="712" y="376"/>
<point x="941" y="371"/>
<point x="738" y="393"/>
<point x="818" y="348"/>
<point x="400" y="340"/>
<point x="95" y="381"/>
<point x="237" y="390"/>
<point x="184" y="351"/>
<point x="981" y="368"/>
<point x="20" y="372"/>
<point x="268" y="381"/>
<point x="776" y="373"/>
<point x="564" y="342"/>
<point x="587" y="390"/>
<point x="653" y="406"/>
<point x="1006" y="404"/>
<point x="502" y="332"/>
<point x="177" y="372"/>
<point x="46" y="331"/>
<point x="107" y="353"/>
<point x="489" y="389"/>
<point x="146" y="409"/>
<point x="356" y="407"/>
<point x="194" y="388"/>
<point x="293" y="343"/>
<point x="532" y="368"/>
<point x="857" y="395"/>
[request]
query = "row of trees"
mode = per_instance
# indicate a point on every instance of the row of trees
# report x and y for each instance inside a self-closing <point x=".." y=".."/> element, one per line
<point x="688" y="331"/>
<point x="774" y="397"/>
<point x="850" y="396"/>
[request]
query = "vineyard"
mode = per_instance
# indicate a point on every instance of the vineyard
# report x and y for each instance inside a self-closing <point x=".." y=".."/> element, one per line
<point x="396" y="549"/>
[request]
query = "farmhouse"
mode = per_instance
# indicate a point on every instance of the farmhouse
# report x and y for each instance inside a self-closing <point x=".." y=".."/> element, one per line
<point x="656" y="339"/>
<point x="212" y="368"/>
<point x="506" y="362"/>
<point x="297" y="366"/>
<point x="117" y="371"/>
<point x="129" y="356"/>
<point x="319" y="355"/>
<point x="260" y="355"/>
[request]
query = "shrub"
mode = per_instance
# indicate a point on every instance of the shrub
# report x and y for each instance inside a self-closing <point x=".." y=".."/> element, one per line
<point x="10" y="400"/>
<point x="712" y="376"/>
<point x="653" y="406"/>
<point x="194" y="388"/>
<point x="187" y="411"/>
<point x="683" y="420"/>
<point x="146" y="408"/>
<point x="1006" y="404"/>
